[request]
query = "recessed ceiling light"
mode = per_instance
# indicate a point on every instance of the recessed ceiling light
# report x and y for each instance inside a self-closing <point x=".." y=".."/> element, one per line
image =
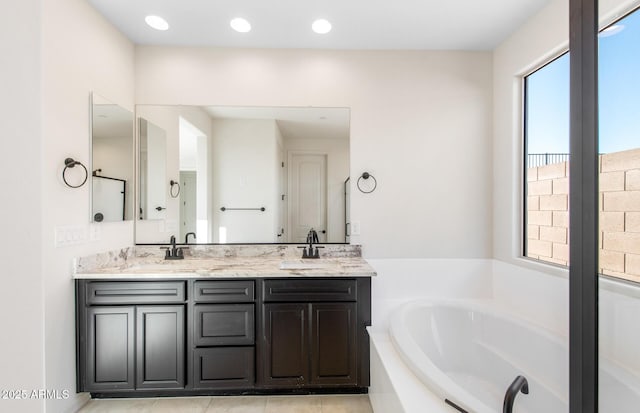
<point x="240" y="25"/>
<point x="321" y="26"/>
<point x="157" y="22"/>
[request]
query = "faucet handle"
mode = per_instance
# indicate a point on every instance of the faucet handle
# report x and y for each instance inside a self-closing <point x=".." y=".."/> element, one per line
<point x="304" y="252"/>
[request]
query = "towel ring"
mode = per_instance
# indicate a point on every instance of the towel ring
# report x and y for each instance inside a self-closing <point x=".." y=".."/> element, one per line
<point x="366" y="176"/>
<point x="70" y="163"/>
<point x="174" y="183"/>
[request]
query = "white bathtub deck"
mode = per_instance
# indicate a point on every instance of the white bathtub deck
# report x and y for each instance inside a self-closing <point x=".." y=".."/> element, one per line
<point x="394" y="387"/>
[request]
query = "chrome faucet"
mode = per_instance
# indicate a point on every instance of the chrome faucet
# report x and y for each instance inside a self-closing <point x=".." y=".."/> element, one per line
<point x="186" y="237"/>
<point x="174" y="253"/>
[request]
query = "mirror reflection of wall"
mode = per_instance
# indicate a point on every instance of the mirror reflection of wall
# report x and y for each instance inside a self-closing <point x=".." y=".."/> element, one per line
<point x="194" y="181"/>
<point x="152" y="165"/>
<point x="290" y="161"/>
<point x="112" y="147"/>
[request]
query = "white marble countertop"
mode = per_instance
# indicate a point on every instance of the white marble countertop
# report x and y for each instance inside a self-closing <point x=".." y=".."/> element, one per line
<point x="154" y="266"/>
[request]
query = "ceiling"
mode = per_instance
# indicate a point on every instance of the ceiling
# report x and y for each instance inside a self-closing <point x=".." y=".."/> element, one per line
<point x="357" y="24"/>
<point x="111" y="121"/>
<point x="293" y="122"/>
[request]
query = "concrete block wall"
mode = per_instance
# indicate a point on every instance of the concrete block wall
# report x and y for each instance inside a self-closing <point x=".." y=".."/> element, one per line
<point x="547" y="213"/>
<point x="548" y="216"/>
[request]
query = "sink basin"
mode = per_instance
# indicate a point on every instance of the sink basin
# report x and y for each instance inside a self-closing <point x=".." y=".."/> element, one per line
<point x="301" y="265"/>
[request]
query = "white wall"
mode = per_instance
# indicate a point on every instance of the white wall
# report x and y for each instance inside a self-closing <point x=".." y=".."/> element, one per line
<point x="21" y="298"/>
<point x="81" y="53"/>
<point x="420" y="123"/>
<point x="402" y="280"/>
<point x="245" y="175"/>
<point x="337" y="151"/>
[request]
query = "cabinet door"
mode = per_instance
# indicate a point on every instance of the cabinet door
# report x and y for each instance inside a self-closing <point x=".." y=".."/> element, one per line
<point x="160" y="347"/>
<point x="110" y="358"/>
<point x="224" y="367"/>
<point x="333" y="344"/>
<point x="285" y="350"/>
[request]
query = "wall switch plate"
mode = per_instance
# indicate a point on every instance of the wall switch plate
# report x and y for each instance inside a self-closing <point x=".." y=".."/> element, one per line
<point x="66" y="235"/>
<point x="355" y="228"/>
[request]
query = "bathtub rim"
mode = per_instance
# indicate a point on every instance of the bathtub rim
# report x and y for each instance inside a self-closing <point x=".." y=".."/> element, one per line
<point x="439" y="382"/>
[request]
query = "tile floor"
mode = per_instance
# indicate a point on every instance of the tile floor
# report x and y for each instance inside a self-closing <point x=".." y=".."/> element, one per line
<point x="235" y="404"/>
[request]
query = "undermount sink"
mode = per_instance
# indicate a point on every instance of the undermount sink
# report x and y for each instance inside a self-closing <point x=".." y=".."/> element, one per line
<point x="302" y="265"/>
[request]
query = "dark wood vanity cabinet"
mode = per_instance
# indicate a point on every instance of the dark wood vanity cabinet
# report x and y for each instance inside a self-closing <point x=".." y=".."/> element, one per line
<point x="314" y="333"/>
<point x="224" y="334"/>
<point x="260" y="335"/>
<point x="131" y="335"/>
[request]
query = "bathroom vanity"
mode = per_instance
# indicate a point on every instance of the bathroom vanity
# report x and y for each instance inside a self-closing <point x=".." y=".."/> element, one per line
<point x="221" y="322"/>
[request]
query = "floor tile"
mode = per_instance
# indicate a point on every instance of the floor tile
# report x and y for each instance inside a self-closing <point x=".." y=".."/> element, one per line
<point x="234" y="404"/>
<point x="237" y="404"/>
<point x="346" y="404"/>
<point x="182" y="405"/>
<point x="119" y="406"/>
<point x="293" y="404"/>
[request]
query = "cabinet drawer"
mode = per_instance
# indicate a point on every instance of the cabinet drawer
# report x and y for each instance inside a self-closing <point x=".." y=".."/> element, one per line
<point x="135" y="292"/>
<point x="224" y="291"/>
<point x="289" y="290"/>
<point x="224" y="367"/>
<point x="223" y="324"/>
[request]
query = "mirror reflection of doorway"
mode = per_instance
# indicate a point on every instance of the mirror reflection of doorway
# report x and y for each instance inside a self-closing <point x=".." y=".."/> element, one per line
<point x="194" y="203"/>
<point x="308" y="193"/>
<point x="188" y="200"/>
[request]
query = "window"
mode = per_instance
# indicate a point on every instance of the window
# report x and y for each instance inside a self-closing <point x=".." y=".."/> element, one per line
<point x="546" y="217"/>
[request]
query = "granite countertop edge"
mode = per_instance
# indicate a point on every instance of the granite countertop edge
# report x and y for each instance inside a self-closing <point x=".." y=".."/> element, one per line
<point x="209" y="263"/>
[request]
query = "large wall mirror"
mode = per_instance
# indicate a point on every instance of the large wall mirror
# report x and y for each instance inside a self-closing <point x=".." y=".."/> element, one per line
<point x="112" y="151"/>
<point x="242" y="174"/>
